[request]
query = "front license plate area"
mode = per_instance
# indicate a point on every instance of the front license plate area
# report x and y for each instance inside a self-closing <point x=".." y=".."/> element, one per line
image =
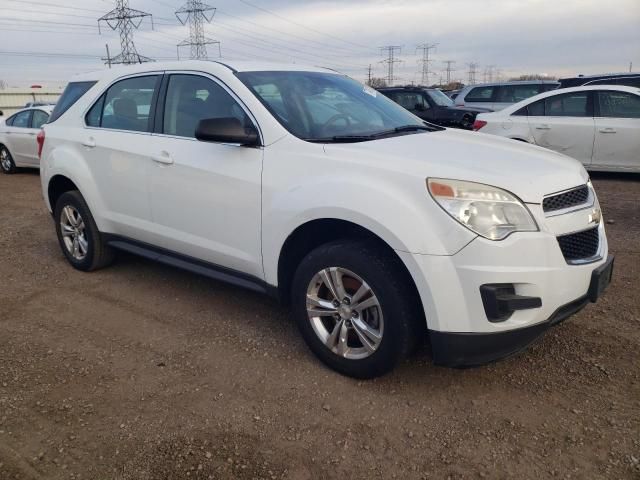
<point x="600" y="279"/>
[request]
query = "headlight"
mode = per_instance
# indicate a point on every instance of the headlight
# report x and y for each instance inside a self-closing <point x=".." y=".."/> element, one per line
<point x="488" y="211"/>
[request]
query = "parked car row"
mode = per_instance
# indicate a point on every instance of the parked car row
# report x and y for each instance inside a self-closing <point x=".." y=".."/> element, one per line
<point x="375" y="226"/>
<point x="597" y="125"/>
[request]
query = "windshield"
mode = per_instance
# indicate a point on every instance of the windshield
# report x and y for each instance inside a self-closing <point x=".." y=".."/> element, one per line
<point x="317" y="106"/>
<point x="440" y="98"/>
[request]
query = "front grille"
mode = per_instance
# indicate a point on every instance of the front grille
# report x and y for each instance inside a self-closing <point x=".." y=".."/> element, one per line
<point x="581" y="245"/>
<point x="571" y="198"/>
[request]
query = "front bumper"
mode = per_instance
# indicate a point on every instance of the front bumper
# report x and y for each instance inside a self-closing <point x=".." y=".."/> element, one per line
<point x="471" y="349"/>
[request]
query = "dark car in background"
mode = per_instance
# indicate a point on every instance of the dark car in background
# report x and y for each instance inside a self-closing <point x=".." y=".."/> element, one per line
<point x="432" y="105"/>
<point x="625" y="79"/>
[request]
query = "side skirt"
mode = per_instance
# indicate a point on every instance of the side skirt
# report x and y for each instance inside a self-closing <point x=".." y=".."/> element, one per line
<point x="190" y="264"/>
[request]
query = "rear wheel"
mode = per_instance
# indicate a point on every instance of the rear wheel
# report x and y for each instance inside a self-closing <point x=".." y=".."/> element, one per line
<point x="354" y="308"/>
<point x="7" y="164"/>
<point x="78" y="235"/>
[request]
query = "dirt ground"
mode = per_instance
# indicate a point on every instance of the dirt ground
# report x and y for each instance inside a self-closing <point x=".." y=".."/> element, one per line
<point x="141" y="371"/>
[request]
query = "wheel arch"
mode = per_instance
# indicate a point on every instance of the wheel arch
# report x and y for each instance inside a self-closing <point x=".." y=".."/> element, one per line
<point x="312" y="234"/>
<point x="58" y="185"/>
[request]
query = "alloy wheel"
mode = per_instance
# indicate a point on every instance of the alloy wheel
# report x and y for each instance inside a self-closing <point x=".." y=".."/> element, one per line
<point x="73" y="233"/>
<point x="345" y="313"/>
<point x="5" y="161"/>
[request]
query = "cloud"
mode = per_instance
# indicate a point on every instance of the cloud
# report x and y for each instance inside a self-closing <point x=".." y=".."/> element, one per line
<point x="517" y="36"/>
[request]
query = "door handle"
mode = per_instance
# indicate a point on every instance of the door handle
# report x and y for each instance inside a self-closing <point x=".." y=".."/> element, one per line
<point x="608" y="130"/>
<point x="543" y="127"/>
<point x="164" y="158"/>
<point x="89" y="142"/>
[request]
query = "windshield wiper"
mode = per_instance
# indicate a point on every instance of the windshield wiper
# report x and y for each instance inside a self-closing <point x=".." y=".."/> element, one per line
<point x="372" y="136"/>
<point x="412" y="128"/>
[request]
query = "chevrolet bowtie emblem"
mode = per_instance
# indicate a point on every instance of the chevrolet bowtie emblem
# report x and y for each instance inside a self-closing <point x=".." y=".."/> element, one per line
<point x="595" y="216"/>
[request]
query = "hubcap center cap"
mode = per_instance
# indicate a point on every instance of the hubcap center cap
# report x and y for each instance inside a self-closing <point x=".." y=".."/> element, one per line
<point x="345" y="311"/>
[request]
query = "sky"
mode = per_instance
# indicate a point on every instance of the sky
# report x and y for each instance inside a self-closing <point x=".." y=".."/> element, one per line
<point x="47" y="41"/>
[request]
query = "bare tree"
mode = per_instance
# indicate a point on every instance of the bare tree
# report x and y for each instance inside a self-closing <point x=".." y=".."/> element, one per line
<point x="533" y="76"/>
<point x="377" y="82"/>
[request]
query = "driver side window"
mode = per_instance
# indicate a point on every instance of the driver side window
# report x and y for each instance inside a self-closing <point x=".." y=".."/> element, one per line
<point x="191" y="98"/>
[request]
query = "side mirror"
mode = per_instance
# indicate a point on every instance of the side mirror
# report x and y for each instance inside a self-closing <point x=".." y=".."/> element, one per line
<point x="227" y="130"/>
<point x="1" y="113"/>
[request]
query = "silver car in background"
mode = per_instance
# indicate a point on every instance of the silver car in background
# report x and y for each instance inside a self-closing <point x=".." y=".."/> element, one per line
<point x="499" y="95"/>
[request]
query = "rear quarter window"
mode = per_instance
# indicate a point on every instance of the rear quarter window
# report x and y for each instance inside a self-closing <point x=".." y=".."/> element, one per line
<point x="71" y="94"/>
<point x="480" y="94"/>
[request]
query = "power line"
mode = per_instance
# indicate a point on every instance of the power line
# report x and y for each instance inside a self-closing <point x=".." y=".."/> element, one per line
<point x="303" y="26"/>
<point x="196" y="13"/>
<point x="425" y="60"/>
<point x="391" y="60"/>
<point x="125" y="20"/>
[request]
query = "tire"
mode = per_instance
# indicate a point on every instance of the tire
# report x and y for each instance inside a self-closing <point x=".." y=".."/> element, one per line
<point x="395" y="318"/>
<point x="467" y="121"/>
<point x="92" y="253"/>
<point x="7" y="165"/>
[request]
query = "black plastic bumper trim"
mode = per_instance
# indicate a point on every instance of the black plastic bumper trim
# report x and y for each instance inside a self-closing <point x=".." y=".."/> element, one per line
<point x="453" y="349"/>
<point x="500" y="301"/>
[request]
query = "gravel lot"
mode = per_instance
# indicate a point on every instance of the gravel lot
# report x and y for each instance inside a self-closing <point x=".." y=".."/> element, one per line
<point x="143" y="372"/>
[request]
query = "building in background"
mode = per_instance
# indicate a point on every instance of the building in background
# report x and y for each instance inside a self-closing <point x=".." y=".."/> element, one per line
<point x="15" y="98"/>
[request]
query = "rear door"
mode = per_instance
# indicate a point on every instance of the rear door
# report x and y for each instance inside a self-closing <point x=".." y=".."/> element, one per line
<point x="617" y="130"/>
<point x="564" y="123"/>
<point x="116" y="145"/>
<point x="20" y="138"/>
<point x="38" y="118"/>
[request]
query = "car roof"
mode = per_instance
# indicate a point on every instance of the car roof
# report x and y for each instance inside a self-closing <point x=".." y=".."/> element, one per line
<point x="516" y="106"/>
<point x="44" y="108"/>
<point x="601" y="76"/>
<point x="197" y="65"/>
<point x="515" y="82"/>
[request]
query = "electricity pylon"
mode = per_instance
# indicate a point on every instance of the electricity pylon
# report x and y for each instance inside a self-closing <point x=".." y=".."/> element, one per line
<point x="196" y="13"/>
<point x="125" y="20"/>
<point x="425" y="60"/>
<point x="391" y="60"/>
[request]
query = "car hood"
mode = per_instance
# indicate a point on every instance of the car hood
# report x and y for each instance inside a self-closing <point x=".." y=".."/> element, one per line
<point x="528" y="171"/>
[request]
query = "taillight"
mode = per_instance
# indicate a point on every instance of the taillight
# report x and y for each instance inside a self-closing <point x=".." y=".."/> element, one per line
<point x="478" y="124"/>
<point x="40" y="140"/>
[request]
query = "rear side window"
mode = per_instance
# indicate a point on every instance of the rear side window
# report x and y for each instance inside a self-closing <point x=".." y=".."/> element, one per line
<point x="22" y="120"/>
<point x="516" y="93"/>
<point x="71" y="94"/>
<point x="410" y="100"/>
<point x="619" y="104"/>
<point x="39" y="118"/>
<point x="480" y="94"/>
<point x="536" y="109"/>
<point x="567" y="105"/>
<point x="126" y="105"/>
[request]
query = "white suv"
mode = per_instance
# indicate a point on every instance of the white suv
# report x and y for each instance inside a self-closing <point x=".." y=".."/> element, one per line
<point x="307" y="185"/>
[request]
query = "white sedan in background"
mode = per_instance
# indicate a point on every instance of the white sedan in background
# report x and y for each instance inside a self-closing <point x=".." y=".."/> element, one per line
<point x="18" y="146"/>
<point x="597" y="125"/>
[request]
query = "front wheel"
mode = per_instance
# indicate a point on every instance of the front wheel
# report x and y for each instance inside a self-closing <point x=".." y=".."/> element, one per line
<point x="354" y="308"/>
<point x="7" y="164"/>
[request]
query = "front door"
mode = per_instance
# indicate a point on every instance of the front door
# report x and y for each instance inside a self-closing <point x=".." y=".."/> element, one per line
<point x="564" y="123"/>
<point x="617" y="138"/>
<point x="205" y="196"/>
